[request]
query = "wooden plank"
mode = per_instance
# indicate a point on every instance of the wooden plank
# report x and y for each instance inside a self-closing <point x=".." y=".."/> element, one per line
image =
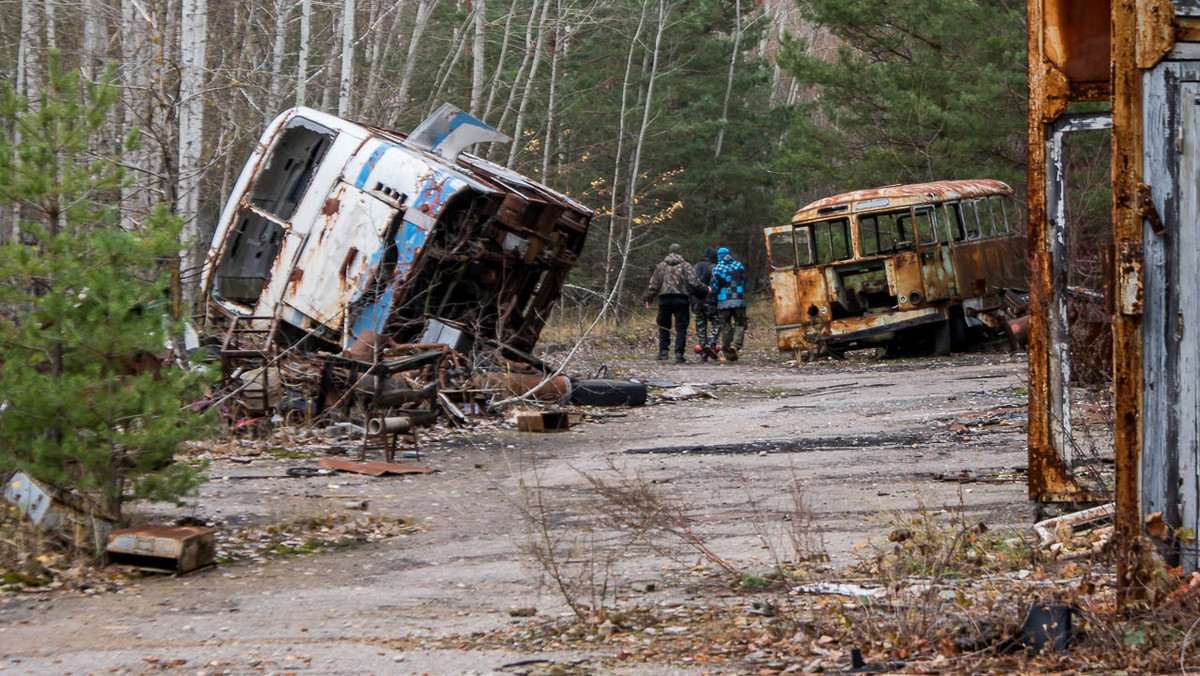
<point x="373" y="467"/>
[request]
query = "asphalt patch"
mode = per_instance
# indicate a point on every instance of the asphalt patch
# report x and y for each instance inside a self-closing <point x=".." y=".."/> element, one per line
<point x="840" y="443"/>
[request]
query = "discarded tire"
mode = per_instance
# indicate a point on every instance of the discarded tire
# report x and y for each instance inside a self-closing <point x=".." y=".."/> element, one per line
<point x="608" y="393"/>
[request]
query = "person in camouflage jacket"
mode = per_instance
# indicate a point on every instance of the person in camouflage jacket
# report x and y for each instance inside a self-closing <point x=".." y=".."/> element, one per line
<point x="673" y="283"/>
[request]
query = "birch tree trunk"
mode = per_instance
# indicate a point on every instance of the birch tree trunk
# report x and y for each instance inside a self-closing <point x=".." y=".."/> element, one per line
<point x="555" y="49"/>
<point x="347" y="79"/>
<point x="614" y="202"/>
<point x="376" y="52"/>
<point x="193" y="37"/>
<point x="93" y="36"/>
<point x="135" y="69"/>
<point x="51" y="29"/>
<point x="329" y="81"/>
<point x="400" y="102"/>
<point x="478" y="54"/>
<point x="516" y="83"/>
<point x="627" y="246"/>
<point x="737" y="45"/>
<point x="518" y="128"/>
<point x="278" y="49"/>
<point x="302" y="58"/>
<point x="28" y="49"/>
<point x="458" y="43"/>
<point x="487" y="110"/>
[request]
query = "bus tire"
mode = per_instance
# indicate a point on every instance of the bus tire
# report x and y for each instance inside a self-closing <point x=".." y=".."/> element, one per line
<point x="942" y="338"/>
<point x="958" y="328"/>
<point x="604" y="392"/>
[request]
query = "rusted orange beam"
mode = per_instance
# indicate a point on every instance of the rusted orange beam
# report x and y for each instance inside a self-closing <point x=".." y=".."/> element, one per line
<point x="1127" y="321"/>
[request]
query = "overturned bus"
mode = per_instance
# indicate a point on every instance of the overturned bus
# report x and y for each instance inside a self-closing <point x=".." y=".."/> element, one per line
<point x="339" y="232"/>
<point x="896" y="265"/>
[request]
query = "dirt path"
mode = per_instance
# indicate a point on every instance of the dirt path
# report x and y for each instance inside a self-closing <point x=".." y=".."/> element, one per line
<point x="862" y="439"/>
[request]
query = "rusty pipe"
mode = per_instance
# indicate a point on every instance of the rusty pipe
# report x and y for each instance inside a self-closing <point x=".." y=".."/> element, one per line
<point x="397" y="425"/>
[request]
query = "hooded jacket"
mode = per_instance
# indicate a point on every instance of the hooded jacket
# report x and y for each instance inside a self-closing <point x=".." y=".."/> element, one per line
<point x="704" y="270"/>
<point x="729" y="283"/>
<point x="672" y="277"/>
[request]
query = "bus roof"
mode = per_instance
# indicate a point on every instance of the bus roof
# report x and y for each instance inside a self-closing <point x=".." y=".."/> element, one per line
<point x="900" y="195"/>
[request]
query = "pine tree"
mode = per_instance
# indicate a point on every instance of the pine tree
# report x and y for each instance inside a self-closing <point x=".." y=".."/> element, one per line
<point x="916" y="91"/>
<point x="84" y="312"/>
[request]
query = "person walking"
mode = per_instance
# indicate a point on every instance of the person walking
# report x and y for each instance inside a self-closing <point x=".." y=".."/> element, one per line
<point x="729" y="283"/>
<point x="673" y="282"/>
<point x="704" y="306"/>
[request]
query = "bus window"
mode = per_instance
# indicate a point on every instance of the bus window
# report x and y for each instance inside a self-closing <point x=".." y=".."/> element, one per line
<point x="926" y="225"/>
<point x="954" y="224"/>
<point x="831" y="240"/>
<point x="987" y="218"/>
<point x="804" y="254"/>
<point x="783" y="250"/>
<point x="970" y="220"/>
<point x="1000" y="214"/>
<point x="886" y="232"/>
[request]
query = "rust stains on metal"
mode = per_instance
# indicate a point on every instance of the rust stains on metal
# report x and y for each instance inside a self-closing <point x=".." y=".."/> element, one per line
<point x="171" y="548"/>
<point x="914" y="193"/>
<point x="1127" y="327"/>
<point x="331" y="206"/>
<point x="1156" y="29"/>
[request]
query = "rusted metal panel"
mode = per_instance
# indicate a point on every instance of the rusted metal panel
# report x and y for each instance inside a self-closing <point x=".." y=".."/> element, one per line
<point x="177" y="549"/>
<point x="1156" y="29"/>
<point x="904" y="195"/>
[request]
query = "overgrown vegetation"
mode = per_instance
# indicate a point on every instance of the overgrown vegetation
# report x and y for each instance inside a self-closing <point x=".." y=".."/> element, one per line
<point x="87" y="402"/>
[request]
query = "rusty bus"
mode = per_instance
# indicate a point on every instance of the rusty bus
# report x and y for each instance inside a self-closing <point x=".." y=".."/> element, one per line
<point x="338" y="232"/>
<point x="928" y="262"/>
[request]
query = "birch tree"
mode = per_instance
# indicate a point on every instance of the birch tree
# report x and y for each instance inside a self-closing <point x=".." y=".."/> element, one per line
<point x="193" y="36"/>
<point x="302" y="58"/>
<point x="663" y="10"/>
<point x="733" y="56"/>
<point x="478" y="56"/>
<point x="420" y="22"/>
<point x="347" y="79"/>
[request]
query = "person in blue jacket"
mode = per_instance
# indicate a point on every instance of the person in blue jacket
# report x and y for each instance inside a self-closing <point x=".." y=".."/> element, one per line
<point x="729" y="284"/>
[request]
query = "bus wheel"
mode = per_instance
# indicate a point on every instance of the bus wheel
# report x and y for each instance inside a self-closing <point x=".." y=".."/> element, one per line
<point x="942" y="338"/>
<point x="958" y="328"/>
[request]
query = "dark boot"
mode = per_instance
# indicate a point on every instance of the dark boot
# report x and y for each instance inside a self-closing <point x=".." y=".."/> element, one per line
<point x="679" y="358"/>
<point x="662" y="355"/>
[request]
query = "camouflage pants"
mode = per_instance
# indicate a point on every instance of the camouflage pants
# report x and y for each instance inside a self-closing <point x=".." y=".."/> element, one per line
<point x="707" y="328"/>
<point x="733" y="327"/>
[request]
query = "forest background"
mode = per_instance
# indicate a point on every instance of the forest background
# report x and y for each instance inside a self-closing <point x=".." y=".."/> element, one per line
<point x="696" y="121"/>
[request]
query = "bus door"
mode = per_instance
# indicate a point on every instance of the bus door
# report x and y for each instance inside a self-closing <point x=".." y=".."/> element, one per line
<point x="937" y="261"/>
<point x="781" y="252"/>
<point x="905" y="265"/>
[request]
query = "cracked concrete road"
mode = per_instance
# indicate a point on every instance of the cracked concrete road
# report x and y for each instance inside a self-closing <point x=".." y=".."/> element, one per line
<point x="862" y="439"/>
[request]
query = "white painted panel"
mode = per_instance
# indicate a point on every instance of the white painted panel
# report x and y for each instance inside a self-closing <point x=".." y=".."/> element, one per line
<point x="1188" y="368"/>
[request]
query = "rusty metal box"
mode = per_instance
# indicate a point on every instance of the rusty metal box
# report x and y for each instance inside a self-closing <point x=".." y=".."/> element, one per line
<point x="177" y="549"/>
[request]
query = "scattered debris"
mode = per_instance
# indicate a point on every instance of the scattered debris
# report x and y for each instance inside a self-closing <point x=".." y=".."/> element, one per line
<point x="176" y="549"/>
<point x="64" y="517"/>
<point x="840" y="589"/>
<point x="1062" y="528"/>
<point x="545" y="421"/>
<point x="1047" y="626"/>
<point x="685" y="392"/>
